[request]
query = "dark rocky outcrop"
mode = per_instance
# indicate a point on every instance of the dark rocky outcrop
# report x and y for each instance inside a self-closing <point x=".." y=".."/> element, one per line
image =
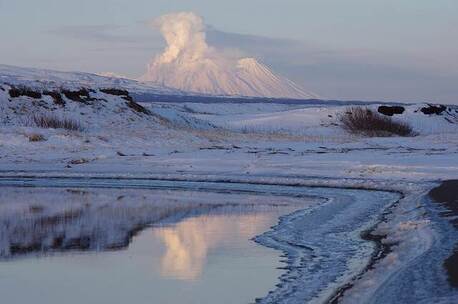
<point x="447" y="195"/>
<point x="391" y="110"/>
<point x="433" y="110"/>
<point x="116" y="92"/>
<point x="137" y="107"/>
<point x="56" y="97"/>
<point x="81" y="95"/>
<point x="124" y="94"/>
<point x="23" y="91"/>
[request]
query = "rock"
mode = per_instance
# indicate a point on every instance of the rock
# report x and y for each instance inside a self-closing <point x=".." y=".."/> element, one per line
<point x="431" y="109"/>
<point x="390" y="111"/>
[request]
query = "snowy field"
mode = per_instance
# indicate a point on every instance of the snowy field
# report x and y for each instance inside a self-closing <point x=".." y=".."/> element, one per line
<point x="241" y="138"/>
<point x="255" y="144"/>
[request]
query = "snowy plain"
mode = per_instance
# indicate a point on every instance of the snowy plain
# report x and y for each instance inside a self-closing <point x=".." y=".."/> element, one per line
<point x="252" y="143"/>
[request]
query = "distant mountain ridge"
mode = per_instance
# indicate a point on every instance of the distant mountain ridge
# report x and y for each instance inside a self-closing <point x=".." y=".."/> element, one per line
<point x="50" y="79"/>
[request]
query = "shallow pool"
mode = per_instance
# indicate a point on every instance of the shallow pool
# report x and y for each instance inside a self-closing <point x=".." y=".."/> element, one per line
<point x="205" y="255"/>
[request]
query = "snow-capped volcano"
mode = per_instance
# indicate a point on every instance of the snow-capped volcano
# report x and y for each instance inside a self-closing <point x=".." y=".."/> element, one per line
<point x="189" y="64"/>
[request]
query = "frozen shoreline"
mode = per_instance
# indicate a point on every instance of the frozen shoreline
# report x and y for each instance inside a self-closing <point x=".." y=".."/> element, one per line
<point x="278" y="238"/>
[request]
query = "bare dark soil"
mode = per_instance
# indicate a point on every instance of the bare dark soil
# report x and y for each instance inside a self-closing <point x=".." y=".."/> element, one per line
<point x="447" y="195"/>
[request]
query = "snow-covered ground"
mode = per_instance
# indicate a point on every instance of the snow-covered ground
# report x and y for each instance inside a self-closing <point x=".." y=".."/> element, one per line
<point x="251" y="142"/>
<point x="247" y="138"/>
<point x="49" y="79"/>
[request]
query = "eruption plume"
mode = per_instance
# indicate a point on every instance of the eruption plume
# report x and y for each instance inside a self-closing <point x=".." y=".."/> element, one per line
<point x="185" y="37"/>
<point x="188" y="63"/>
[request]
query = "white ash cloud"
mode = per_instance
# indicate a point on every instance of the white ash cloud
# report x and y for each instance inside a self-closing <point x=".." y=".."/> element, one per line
<point x="185" y="36"/>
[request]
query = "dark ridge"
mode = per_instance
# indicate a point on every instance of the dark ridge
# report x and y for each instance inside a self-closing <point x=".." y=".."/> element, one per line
<point x="24" y="91"/>
<point x="56" y="96"/>
<point x="79" y="243"/>
<point x="17" y="249"/>
<point x="137" y="108"/>
<point x="431" y="109"/>
<point x="447" y="195"/>
<point x="451" y="264"/>
<point x="116" y="92"/>
<point x="390" y="111"/>
<point x="81" y="95"/>
<point x="128" y="98"/>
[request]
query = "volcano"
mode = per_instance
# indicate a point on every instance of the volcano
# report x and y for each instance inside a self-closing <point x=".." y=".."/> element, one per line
<point x="190" y="64"/>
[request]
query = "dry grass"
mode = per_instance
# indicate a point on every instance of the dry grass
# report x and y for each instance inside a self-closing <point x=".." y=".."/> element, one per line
<point x="34" y="137"/>
<point x="55" y="122"/>
<point x="360" y="120"/>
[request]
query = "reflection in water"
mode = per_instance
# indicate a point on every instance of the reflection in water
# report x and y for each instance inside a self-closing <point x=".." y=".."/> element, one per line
<point x="205" y="259"/>
<point x="189" y="242"/>
<point x="43" y="220"/>
<point x="186" y="250"/>
<point x="202" y="254"/>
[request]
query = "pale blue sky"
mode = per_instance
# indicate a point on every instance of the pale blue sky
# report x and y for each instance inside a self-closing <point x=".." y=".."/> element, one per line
<point x="361" y="49"/>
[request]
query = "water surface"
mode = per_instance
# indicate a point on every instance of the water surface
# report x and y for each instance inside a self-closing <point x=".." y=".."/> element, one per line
<point x="205" y="256"/>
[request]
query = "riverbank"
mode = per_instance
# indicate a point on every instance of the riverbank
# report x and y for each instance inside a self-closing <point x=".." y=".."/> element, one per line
<point x="447" y="195"/>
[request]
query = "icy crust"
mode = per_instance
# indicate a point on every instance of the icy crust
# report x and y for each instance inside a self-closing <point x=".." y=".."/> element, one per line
<point x="413" y="272"/>
<point x="323" y="245"/>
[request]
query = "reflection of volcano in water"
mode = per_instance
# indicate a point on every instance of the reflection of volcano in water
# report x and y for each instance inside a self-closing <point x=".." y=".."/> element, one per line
<point x="189" y="242"/>
<point x="189" y="64"/>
